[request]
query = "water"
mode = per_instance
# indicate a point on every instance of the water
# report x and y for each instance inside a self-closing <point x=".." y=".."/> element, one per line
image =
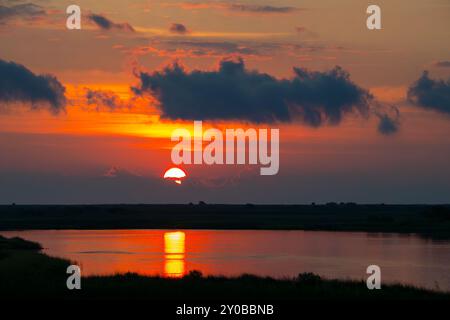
<point x="344" y="255"/>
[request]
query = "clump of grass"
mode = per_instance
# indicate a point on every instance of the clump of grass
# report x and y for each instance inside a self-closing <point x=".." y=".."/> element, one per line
<point x="308" y="278"/>
<point x="194" y="275"/>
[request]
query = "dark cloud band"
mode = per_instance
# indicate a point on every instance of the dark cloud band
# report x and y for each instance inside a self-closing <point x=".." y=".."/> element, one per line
<point x="235" y="93"/>
<point x="232" y="92"/>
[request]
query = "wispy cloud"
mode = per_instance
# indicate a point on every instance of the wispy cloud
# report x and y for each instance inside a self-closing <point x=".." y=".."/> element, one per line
<point x="238" y="8"/>
<point x="196" y="48"/>
<point x="101" y="99"/>
<point x="252" y="8"/>
<point x="106" y="24"/>
<point x="442" y="64"/>
<point x="27" y="11"/>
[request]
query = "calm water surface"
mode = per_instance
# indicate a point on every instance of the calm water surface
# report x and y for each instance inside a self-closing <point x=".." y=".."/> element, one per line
<point x="344" y="255"/>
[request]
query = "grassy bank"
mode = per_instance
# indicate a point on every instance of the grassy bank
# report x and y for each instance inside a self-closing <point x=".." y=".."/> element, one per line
<point x="27" y="273"/>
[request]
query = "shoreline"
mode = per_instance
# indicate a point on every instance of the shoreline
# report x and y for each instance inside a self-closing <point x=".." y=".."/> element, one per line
<point x="428" y="221"/>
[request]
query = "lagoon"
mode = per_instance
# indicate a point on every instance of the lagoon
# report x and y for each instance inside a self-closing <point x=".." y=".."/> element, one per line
<point x="406" y="259"/>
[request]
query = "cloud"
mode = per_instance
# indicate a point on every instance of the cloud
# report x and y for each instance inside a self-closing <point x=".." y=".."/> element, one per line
<point x="106" y="24"/>
<point x="224" y="47"/>
<point x="178" y="28"/>
<point x="194" y="49"/>
<point x="387" y="125"/>
<point x="389" y="118"/>
<point x="430" y="94"/>
<point x="261" y="8"/>
<point x="100" y="98"/>
<point x="239" y="7"/>
<point x="28" y="11"/>
<point x="235" y="93"/>
<point x="305" y="32"/>
<point x="442" y="64"/>
<point x="18" y="84"/>
<point x="117" y="172"/>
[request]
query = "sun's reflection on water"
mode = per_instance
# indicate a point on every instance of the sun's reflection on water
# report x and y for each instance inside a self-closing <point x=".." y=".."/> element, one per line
<point x="174" y="250"/>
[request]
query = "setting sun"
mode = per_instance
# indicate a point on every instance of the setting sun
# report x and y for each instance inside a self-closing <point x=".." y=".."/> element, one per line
<point x="175" y="174"/>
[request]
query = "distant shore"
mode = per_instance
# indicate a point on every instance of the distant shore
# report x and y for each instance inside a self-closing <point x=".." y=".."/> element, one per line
<point x="26" y="273"/>
<point x="424" y="220"/>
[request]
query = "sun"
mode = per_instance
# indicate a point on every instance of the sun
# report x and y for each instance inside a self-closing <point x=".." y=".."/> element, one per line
<point x="175" y="174"/>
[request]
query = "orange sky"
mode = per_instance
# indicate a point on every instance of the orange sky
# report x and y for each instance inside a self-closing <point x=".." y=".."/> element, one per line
<point x="315" y="34"/>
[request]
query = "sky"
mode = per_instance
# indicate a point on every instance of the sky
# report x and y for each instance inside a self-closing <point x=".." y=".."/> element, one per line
<point x="86" y="116"/>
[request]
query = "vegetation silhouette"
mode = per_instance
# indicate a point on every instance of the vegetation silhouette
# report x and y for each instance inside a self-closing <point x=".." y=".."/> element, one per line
<point x="425" y="220"/>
